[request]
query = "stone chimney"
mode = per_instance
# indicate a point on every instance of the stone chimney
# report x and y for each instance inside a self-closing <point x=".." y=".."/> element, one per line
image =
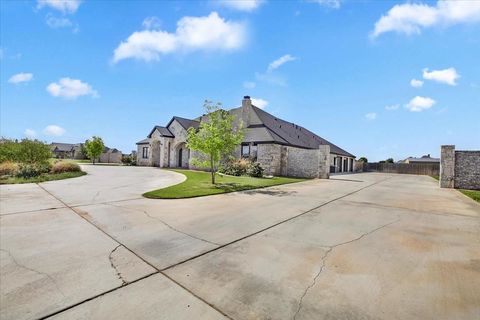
<point x="246" y="110"/>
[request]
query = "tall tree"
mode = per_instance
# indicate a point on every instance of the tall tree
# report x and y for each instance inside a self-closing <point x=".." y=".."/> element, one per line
<point x="94" y="148"/>
<point x="216" y="137"/>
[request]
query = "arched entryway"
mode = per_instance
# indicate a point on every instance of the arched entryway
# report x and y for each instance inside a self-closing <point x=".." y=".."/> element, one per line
<point x="182" y="155"/>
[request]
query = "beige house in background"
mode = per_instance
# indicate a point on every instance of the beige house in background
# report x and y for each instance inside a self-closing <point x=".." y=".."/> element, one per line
<point x="74" y="151"/>
<point x="281" y="147"/>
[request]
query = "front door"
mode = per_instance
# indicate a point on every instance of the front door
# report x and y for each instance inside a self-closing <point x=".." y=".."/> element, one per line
<point x="180" y="157"/>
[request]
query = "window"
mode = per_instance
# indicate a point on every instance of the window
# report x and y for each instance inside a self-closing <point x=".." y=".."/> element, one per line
<point x="145" y="153"/>
<point x="246" y="151"/>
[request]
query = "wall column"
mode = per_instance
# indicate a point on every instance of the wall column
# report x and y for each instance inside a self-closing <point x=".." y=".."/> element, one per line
<point x="324" y="161"/>
<point x="447" y="166"/>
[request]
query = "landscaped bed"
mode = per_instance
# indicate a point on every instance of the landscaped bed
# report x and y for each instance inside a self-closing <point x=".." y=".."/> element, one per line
<point x="43" y="177"/>
<point x="199" y="184"/>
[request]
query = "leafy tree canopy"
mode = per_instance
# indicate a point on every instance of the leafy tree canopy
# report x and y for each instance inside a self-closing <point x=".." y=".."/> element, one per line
<point x="216" y="136"/>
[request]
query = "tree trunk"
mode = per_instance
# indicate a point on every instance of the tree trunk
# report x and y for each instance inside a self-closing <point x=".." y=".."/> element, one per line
<point x="211" y="170"/>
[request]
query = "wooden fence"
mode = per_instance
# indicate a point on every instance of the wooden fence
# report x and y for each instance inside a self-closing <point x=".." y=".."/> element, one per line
<point x="429" y="169"/>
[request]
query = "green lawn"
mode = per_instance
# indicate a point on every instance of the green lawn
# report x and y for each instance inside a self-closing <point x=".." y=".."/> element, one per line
<point x="198" y="184"/>
<point x="43" y="177"/>
<point x="474" y="194"/>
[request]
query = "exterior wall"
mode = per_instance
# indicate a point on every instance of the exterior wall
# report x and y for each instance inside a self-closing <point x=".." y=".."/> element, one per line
<point x="180" y="137"/>
<point x="269" y="157"/>
<point x="294" y="162"/>
<point x="459" y="169"/>
<point x="140" y="160"/>
<point x="447" y="166"/>
<point x="467" y="170"/>
<point x="111" y="157"/>
<point x="301" y="163"/>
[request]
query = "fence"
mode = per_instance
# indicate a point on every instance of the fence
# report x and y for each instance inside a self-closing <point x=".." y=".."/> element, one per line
<point x="429" y="169"/>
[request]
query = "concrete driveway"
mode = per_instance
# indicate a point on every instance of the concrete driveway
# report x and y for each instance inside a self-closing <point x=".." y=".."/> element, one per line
<point x="363" y="246"/>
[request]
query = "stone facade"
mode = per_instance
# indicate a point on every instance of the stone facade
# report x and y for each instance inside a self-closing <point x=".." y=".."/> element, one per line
<point x="459" y="169"/>
<point x="467" y="170"/>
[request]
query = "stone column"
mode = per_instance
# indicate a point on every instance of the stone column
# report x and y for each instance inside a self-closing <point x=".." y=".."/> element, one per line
<point x="324" y="161"/>
<point x="447" y="166"/>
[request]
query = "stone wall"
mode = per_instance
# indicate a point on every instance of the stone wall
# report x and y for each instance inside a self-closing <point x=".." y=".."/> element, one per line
<point x="140" y="160"/>
<point x="269" y="156"/>
<point x="459" y="169"/>
<point x="294" y="162"/>
<point x="467" y="170"/>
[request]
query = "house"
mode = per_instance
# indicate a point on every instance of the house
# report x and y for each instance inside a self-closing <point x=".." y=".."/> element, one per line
<point x="67" y="150"/>
<point x="74" y="151"/>
<point x="422" y="159"/>
<point x="281" y="147"/>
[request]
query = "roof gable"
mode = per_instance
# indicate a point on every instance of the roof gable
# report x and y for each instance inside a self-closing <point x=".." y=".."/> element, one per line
<point x="164" y="132"/>
<point x="185" y="123"/>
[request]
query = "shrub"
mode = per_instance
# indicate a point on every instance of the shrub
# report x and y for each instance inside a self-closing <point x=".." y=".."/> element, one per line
<point x="8" y="168"/>
<point x="27" y="170"/>
<point x="128" y="160"/>
<point x="25" y="151"/>
<point x="234" y="167"/>
<point x="241" y="167"/>
<point x="65" y="166"/>
<point x="255" y="170"/>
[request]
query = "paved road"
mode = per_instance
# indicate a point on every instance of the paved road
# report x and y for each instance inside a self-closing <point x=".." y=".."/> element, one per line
<point x="363" y="246"/>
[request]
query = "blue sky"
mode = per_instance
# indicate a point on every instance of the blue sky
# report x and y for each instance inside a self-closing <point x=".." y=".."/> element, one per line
<point x="343" y="69"/>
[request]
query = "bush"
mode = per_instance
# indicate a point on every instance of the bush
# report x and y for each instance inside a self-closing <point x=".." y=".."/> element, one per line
<point x="65" y="166"/>
<point x="25" y="151"/>
<point x="241" y="167"/>
<point x="8" y="168"/>
<point x="27" y="170"/>
<point x="255" y="170"/>
<point x="128" y="160"/>
<point x="234" y="167"/>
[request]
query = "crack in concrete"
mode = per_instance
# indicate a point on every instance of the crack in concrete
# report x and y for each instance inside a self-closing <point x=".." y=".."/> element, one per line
<point x="325" y="256"/>
<point x="166" y="224"/>
<point x="35" y="271"/>
<point x="110" y="257"/>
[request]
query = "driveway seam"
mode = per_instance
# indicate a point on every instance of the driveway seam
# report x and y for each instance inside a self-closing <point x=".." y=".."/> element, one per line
<point x="273" y="225"/>
<point x="325" y="256"/>
<point x="162" y="271"/>
<point x="122" y="286"/>
<point x="166" y="224"/>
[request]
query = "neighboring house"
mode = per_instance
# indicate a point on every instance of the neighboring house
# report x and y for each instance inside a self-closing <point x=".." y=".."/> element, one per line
<point x="111" y="156"/>
<point x="422" y="159"/>
<point x="74" y="151"/>
<point x="67" y="150"/>
<point x="281" y="147"/>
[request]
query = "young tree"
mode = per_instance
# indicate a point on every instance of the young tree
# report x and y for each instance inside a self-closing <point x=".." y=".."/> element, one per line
<point x="216" y="137"/>
<point x="94" y="148"/>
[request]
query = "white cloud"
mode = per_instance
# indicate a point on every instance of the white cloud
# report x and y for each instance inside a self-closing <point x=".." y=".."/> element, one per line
<point x="65" y="6"/>
<point x="260" y="103"/>
<point x="448" y="76"/>
<point x="418" y="104"/>
<point x="70" y="89"/>
<point x="249" y="84"/>
<point x="29" y="133"/>
<point x="241" y="5"/>
<point x="416" y="83"/>
<point x="335" y="4"/>
<point x="410" y="18"/>
<point x="151" y="23"/>
<point x="20" y="77"/>
<point x="53" y="130"/>
<point x="371" y="116"/>
<point x="54" y="22"/>
<point x="392" y="107"/>
<point x="193" y="33"/>
<point x="282" y="60"/>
